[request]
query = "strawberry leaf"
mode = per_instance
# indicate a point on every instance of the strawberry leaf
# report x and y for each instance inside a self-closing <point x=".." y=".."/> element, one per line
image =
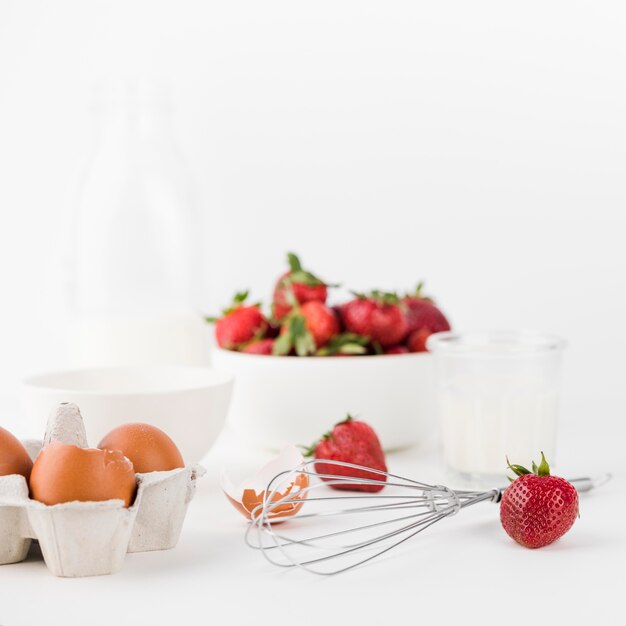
<point x="290" y="296"/>
<point x="352" y="349"/>
<point x="304" y="344"/>
<point x="282" y="345"/>
<point x="518" y="470"/>
<point x="240" y="297"/>
<point x="419" y="293"/>
<point x="308" y="451"/>
<point x="544" y="468"/>
<point x="295" y="336"/>
<point x="383" y="297"/>
<point x="294" y="262"/>
<point x="345" y="343"/>
<point x="305" y="278"/>
<point x="299" y="275"/>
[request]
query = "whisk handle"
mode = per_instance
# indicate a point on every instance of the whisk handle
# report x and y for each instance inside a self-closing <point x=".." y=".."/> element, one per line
<point x="587" y="483"/>
<point x="582" y="484"/>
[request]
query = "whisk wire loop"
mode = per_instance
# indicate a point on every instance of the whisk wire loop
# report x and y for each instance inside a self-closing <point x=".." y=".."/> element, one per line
<point x="382" y="520"/>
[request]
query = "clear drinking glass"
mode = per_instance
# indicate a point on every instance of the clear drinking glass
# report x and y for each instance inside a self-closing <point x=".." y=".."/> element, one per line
<point x="498" y="397"/>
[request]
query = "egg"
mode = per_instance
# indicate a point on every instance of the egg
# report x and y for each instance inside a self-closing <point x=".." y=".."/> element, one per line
<point x="65" y="473"/>
<point x="148" y="447"/>
<point x="249" y="495"/>
<point x="14" y="458"/>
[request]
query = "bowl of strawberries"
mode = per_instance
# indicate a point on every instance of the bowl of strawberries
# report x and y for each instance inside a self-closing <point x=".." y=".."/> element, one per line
<point x="307" y="358"/>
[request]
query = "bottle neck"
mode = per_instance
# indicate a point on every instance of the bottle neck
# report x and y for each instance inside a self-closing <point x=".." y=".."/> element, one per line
<point x="131" y="108"/>
<point x="146" y="124"/>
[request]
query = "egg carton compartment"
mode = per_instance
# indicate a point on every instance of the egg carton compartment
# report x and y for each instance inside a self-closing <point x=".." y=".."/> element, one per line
<point x="92" y="538"/>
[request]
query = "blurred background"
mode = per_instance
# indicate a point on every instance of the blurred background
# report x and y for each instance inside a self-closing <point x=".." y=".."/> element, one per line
<point x="477" y="146"/>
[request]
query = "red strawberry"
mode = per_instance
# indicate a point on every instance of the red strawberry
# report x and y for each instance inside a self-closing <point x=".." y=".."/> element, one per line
<point x="263" y="346"/>
<point x="397" y="350"/>
<point x="416" y="341"/>
<point x="536" y="508"/>
<point x="337" y="311"/>
<point x="351" y="441"/>
<point x="423" y="319"/>
<point x="308" y="328"/>
<point x="239" y="324"/>
<point x="320" y="322"/>
<point x="296" y="284"/>
<point x="421" y="312"/>
<point x="377" y="316"/>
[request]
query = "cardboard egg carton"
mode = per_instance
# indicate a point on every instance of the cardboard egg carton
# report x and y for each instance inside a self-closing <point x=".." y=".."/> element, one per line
<point x="91" y="538"/>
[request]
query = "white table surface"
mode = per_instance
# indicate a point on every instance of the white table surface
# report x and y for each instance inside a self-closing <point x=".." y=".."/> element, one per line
<point x="463" y="570"/>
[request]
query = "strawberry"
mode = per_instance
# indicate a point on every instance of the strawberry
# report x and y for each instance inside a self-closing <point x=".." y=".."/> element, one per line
<point x="321" y="322"/>
<point x="421" y="312"/>
<point x="299" y="284"/>
<point x="423" y="319"/>
<point x="350" y="441"/>
<point x="262" y="346"/>
<point x="239" y="324"/>
<point x="416" y="341"/>
<point x="308" y="328"/>
<point x="378" y="316"/>
<point x="537" y="508"/>
<point x="396" y="350"/>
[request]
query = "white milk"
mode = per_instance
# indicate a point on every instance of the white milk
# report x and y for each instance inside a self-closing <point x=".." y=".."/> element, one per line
<point x="498" y="397"/>
<point x="485" y="420"/>
<point x="101" y="341"/>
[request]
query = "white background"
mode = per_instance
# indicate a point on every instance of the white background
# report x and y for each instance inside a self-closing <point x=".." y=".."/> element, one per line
<point x="478" y="145"/>
<point x="475" y="145"/>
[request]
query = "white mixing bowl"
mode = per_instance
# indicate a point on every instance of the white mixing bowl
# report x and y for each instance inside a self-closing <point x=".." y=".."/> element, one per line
<point x="188" y="403"/>
<point x="280" y="400"/>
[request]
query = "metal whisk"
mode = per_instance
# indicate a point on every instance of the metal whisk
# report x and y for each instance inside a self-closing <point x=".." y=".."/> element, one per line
<point x="331" y="531"/>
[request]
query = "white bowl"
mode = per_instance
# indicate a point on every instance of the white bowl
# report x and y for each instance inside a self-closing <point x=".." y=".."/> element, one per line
<point x="188" y="403"/>
<point x="280" y="400"/>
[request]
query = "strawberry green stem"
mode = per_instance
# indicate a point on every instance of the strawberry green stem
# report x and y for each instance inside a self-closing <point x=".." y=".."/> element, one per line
<point x="543" y="469"/>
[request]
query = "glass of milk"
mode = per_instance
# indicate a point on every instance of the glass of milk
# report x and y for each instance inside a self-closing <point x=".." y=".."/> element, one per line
<point x="498" y="397"/>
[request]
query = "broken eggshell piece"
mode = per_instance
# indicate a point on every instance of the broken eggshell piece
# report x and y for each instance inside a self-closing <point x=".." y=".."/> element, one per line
<point x="248" y="496"/>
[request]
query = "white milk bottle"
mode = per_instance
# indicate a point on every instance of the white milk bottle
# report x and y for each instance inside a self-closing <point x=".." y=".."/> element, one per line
<point x="135" y="250"/>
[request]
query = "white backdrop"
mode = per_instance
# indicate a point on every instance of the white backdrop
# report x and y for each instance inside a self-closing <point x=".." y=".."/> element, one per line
<point x="479" y="146"/>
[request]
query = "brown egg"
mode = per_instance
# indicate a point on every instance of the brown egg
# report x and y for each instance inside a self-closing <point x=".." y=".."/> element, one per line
<point x="148" y="447"/>
<point x="64" y="473"/>
<point x="13" y="456"/>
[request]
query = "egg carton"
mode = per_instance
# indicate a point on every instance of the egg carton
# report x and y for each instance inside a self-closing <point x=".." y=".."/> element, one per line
<point x="91" y="538"/>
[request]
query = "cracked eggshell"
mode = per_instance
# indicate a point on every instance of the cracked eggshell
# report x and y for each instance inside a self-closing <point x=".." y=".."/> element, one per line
<point x="67" y="473"/>
<point x="249" y="494"/>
